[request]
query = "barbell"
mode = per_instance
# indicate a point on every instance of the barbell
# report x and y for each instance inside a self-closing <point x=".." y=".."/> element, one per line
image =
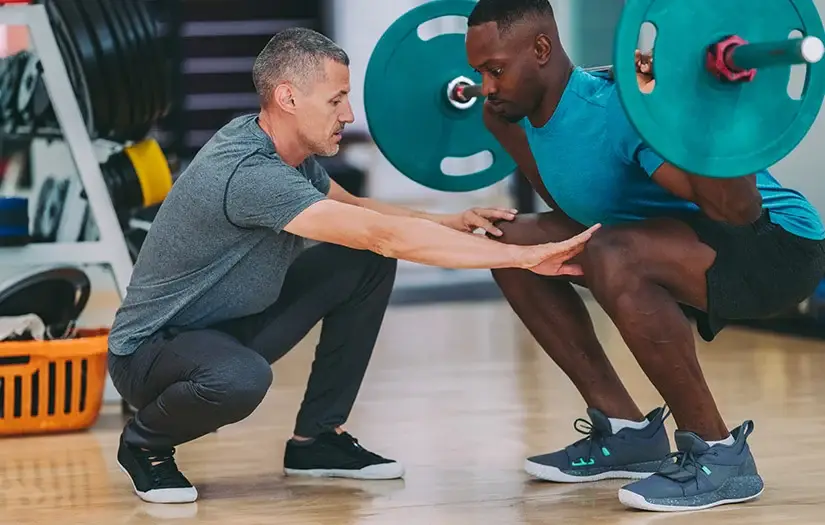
<point x="720" y="106"/>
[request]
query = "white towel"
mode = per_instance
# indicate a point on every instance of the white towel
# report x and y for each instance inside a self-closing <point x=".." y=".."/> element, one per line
<point x="16" y="327"/>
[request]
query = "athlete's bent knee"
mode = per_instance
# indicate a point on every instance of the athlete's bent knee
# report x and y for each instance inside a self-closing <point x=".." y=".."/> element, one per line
<point x="612" y="263"/>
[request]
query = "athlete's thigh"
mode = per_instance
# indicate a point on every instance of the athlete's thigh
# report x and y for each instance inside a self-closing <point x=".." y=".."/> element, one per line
<point x="666" y="251"/>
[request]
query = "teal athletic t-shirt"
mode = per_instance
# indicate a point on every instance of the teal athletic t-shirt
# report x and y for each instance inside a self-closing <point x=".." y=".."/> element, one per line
<point x="598" y="170"/>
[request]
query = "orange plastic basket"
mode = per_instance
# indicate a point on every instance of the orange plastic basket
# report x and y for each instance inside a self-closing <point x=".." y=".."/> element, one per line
<point x="52" y="386"/>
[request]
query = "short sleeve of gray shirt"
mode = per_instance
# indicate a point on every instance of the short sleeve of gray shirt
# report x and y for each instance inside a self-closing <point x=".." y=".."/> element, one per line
<point x="265" y="192"/>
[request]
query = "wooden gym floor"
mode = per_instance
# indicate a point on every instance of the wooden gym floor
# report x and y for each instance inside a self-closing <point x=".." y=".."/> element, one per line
<point x="461" y="394"/>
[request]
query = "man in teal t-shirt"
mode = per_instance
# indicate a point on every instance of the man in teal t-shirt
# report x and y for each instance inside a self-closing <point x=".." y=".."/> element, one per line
<point x="671" y="243"/>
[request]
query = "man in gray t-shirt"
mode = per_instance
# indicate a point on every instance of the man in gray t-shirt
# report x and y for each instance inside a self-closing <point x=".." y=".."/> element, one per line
<point x="224" y="284"/>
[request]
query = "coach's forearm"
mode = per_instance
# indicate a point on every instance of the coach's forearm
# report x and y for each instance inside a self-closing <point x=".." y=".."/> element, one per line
<point x="391" y="209"/>
<point x="421" y="241"/>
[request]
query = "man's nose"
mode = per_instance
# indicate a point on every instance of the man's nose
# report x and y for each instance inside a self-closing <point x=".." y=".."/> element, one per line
<point x="348" y="116"/>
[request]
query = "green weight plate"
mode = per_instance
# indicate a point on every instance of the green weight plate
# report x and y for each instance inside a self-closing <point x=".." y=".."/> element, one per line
<point x="697" y="122"/>
<point x="409" y="117"/>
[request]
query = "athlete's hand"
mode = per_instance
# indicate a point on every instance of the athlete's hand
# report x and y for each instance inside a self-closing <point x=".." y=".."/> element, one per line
<point x="478" y="218"/>
<point x="551" y="258"/>
<point x="644" y="71"/>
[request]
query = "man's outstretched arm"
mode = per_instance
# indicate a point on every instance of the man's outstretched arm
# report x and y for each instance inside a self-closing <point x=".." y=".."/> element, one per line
<point x="466" y="221"/>
<point x="425" y="242"/>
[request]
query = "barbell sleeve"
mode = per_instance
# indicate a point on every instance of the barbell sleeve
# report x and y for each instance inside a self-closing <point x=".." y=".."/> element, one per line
<point x="808" y="50"/>
<point x="467" y="92"/>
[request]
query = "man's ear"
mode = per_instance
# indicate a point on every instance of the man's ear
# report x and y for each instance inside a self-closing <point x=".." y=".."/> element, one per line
<point x="284" y="97"/>
<point x="543" y="48"/>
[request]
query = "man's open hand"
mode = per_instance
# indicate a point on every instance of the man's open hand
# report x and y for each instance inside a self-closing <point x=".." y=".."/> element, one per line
<point x="553" y="258"/>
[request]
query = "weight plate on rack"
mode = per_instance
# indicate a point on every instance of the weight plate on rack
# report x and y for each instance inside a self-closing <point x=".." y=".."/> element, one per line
<point x="130" y="103"/>
<point x="136" y="65"/>
<point x="73" y="62"/>
<point x="148" y="56"/>
<point x="160" y="60"/>
<point x="109" y="64"/>
<point x="83" y="41"/>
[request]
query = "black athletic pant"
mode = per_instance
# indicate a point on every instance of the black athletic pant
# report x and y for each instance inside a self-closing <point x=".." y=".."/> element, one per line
<point x="186" y="384"/>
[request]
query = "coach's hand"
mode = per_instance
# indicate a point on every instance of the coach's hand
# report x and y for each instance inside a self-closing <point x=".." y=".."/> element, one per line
<point x="551" y="259"/>
<point x="478" y="218"/>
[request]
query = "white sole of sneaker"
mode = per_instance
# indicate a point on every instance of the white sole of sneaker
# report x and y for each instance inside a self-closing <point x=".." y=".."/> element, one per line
<point x="183" y="495"/>
<point x="636" y="501"/>
<point x="548" y="473"/>
<point x="381" y="471"/>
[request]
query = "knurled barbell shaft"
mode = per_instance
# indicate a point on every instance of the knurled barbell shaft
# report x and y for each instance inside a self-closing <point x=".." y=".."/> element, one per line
<point x="790" y="52"/>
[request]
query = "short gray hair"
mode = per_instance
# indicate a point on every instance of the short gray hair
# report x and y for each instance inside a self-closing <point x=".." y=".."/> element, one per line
<point x="295" y="55"/>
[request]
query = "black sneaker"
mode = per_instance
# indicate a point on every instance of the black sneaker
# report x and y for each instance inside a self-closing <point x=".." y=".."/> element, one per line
<point x="154" y="475"/>
<point x="335" y="455"/>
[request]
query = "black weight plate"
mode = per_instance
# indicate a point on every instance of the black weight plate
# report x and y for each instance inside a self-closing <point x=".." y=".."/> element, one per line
<point x="148" y="61"/>
<point x="130" y="105"/>
<point x="162" y="65"/>
<point x="57" y="295"/>
<point x="9" y="80"/>
<point x="148" y="58"/>
<point x="135" y="63"/>
<point x="27" y="86"/>
<point x="50" y="201"/>
<point x="109" y="64"/>
<point x="87" y="50"/>
<point x="73" y="63"/>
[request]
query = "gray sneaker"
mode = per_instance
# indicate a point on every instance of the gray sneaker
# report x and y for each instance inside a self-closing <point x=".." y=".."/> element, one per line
<point x="699" y="476"/>
<point x="628" y="454"/>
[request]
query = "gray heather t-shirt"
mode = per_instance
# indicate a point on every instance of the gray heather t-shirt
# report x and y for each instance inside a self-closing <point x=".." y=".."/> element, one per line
<point x="217" y="249"/>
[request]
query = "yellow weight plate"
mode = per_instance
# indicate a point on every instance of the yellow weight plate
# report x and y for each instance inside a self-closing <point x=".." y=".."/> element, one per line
<point x="152" y="170"/>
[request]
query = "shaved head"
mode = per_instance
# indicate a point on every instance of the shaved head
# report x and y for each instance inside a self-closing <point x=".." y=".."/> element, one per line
<point x="506" y="14"/>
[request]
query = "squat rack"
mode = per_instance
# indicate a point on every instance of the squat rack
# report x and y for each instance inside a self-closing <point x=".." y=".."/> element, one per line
<point x="111" y="249"/>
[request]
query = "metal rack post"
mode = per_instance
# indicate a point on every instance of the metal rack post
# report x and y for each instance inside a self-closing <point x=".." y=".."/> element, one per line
<point x="111" y="249"/>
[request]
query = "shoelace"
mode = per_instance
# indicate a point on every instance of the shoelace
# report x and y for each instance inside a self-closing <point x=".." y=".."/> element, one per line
<point x="596" y="438"/>
<point x="353" y="441"/>
<point x="164" y="472"/>
<point x="593" y="436"/>
<point x="685" y="468"/>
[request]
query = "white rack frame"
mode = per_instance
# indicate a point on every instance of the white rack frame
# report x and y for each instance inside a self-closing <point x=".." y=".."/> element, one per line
<point x="111" y="249"/>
